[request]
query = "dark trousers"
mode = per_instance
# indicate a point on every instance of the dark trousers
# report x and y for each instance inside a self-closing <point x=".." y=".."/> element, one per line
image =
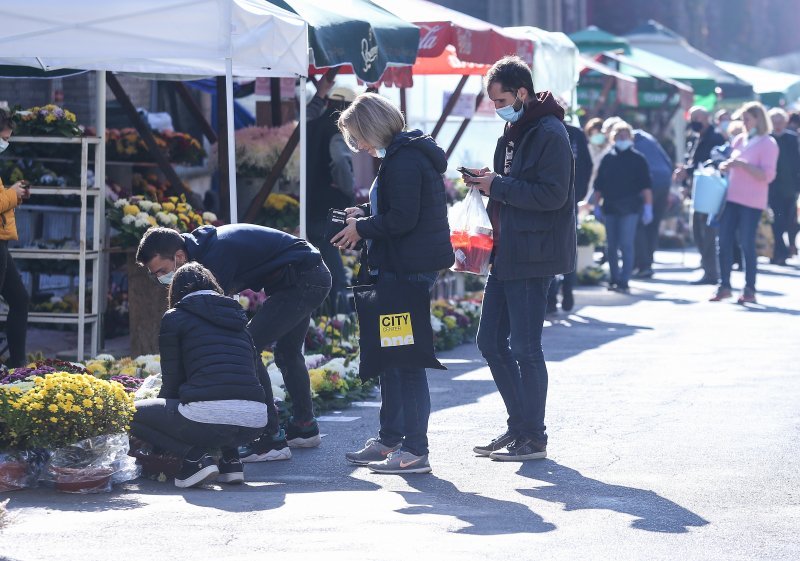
<point x="784" y="210"/>
<point x="705" y="237"/>
<point x="738" y="223"/>
<point x="337" y="299"/>
<point x="510" y="339"/>
<point x="159" y="422"/>
<point x="283" y="321"/>
<point x="13" y="291"/>
<point x="405" y="398"/>
<point x="647" y="236"/>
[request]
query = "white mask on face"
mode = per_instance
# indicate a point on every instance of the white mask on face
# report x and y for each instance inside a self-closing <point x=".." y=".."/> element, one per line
<point x="3" y="144"/>
<point x="166" y="278"/>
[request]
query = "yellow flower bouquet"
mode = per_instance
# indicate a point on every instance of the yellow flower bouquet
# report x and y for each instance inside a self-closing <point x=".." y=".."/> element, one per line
<point x="48" y="120"/>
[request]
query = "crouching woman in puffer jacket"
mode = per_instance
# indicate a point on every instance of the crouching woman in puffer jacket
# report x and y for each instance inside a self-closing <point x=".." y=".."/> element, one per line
<point x="210" y="395"/>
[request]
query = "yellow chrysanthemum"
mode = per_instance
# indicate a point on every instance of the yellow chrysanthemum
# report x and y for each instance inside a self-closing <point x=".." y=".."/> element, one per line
<point x="131" y="209"/>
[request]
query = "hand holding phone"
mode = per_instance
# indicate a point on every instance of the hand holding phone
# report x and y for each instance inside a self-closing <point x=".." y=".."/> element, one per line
<point x="465" y="171"/>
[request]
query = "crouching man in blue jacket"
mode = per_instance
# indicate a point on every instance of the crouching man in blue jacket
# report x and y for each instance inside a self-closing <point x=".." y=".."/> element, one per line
<point x="296" y="281"/>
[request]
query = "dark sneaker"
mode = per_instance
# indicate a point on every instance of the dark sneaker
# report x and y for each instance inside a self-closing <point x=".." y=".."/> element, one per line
<point x="303" y="435"/>
<point x="373" y="451"/>
<point x="623" y="287"/>
<point x="643" y="274"/>
<point x="520" y="450"/>
<point x="231" y="471"/>
<point x="197" y="472"/>
<point x="497" y="444"/>
<point x="400" y="462"/>
<point x="266" y="448"/>
<point x="747" y="297"/>
<point x="611" y="285"/>
<point x="721" y="294"/>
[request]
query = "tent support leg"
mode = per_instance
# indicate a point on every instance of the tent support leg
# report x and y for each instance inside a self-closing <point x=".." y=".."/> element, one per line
<point x="229" y="133"/>
<point x="462" y="128"/>
<point x="303" y="148"/>
<point x="448" y="108"/>
<point x="222" y="151"/>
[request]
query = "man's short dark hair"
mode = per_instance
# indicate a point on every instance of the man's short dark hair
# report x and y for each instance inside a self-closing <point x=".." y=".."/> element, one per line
<point x="163" y="242"/>
<point x="511" y="73"/>
<point x="7" y="120"/>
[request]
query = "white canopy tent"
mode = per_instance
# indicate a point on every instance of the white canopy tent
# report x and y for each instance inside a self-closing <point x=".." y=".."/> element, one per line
<point x="250" y="38"/>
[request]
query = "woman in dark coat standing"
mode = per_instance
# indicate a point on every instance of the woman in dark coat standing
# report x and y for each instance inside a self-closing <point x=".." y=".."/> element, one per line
<point x="407" y="234"/>
<point x="210" y="395"/>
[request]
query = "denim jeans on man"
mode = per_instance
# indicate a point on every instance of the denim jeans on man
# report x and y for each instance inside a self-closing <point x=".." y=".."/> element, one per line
<point x="621" y="235"/>
<point x="405" y="399"/>
<point x="738" y="223"/>
<point x="159" y="422"/>
<point x="283" y="321"/>
<point x="510" y="339"/>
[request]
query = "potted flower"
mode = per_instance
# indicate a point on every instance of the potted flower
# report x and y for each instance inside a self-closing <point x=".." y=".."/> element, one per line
<point x="591" y="233"/>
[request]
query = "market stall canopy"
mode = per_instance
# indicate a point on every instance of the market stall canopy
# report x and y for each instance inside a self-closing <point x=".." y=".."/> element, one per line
<point x="355" y="36"/>
<point x="555" y="61"/>
<point x="172" y="37"/>
<point x="593" y="40"/>
<point x="454" y="43"/>
<point x="657" y="39"/>
<point x="773" y="88"/>
<point x="627" y="86"/>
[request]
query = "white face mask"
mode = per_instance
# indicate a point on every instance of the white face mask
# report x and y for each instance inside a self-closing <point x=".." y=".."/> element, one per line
<point x="3" y="144"/>
<point x="623" y="144"/>
<point x="166" y="278"/>
<point x="380" y="152"/>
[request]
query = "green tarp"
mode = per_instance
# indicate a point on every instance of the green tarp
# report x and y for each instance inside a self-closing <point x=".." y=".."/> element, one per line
<point x="773" y="88"/>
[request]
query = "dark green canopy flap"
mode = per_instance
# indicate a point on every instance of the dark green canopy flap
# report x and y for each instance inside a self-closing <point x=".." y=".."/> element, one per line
<point x="11" y="71"/>
<point x="356" y="33"/>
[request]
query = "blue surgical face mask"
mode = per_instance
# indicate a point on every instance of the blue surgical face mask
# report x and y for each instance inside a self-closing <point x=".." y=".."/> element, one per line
<point x="380" y="152"/>
<point x="166" y="278"/>
<point x="623" y="144"/>
<point x="752" y="132"/>
<point x="508" y="113"/>
<point x="598" y="139"/>
<point x="3" y="144"/>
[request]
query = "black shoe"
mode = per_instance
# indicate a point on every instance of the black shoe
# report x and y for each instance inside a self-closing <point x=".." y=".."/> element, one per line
<point x="644" y="274"/>
<point x="197" y="472"/>
<point x="303" y="435"/>
<point x="266" y="448"/>
<point x="497" y="444"/>
<point x="611" y="286"/>
<point x="623" y="287"/>
<point x="231" y="471"/>
<point x="551" y="309"/>
<point x="568" y="300"/>
<point x="520" y="450"/>
<point x="704" y="280"/>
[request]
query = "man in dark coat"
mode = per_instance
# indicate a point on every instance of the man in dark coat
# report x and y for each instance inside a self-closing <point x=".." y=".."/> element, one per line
<point x="783" y="191"/>
<point x="532" y="208"/>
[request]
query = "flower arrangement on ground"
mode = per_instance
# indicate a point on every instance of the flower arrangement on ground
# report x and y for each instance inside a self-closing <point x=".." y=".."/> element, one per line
<point x="134" y="216"/>
<point x="591" y="232"/>
<point x="62" y="408"/>
<point x="454" y="322"/>
<point x="47" y="120"/>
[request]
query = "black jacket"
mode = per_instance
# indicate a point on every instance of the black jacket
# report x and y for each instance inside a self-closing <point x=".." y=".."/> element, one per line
<point x="699" y="148"/>
<point x="583" y="161"/>
<point x="247" y="256"/>
<point x="621" y="178"/>
<point x="207" y="353"/>
<point x="410" y="232"/>
<point x="787" y="179"/>
<point x="536" y="204"/>
<point x="323" y="193"/>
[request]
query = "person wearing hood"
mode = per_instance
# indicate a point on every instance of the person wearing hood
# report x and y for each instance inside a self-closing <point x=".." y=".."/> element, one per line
<point x="291" y="272"/>
<point x="532" y="207"/>
<point x="623" y="185"/>
<point x="205" y="402"/>
<point x="407" y="236"/>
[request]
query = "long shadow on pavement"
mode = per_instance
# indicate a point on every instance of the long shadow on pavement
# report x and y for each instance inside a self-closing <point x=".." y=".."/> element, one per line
<point x="485" y="516"/>
<point x="567" y="486"/>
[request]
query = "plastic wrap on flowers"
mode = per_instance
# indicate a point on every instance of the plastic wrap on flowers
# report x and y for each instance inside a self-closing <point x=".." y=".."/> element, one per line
<point x="91" y="466"/>
<point x="149" y="388"/>
<point x="20" y="470"/>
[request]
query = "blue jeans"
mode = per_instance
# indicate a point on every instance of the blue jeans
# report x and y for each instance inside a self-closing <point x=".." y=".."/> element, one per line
<point x="283" y="321"/>
<point x="621" y="236"/>
<point x="738" y="223"/>
<point x="405" y="399"/>
<point x="510" y="339"/>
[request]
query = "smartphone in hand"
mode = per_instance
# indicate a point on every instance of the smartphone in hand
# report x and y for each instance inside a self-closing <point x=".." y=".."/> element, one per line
<point x="465" y="171"/>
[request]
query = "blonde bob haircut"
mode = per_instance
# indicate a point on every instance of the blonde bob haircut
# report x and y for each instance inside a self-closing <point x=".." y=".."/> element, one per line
<point x="619" y="127"/>
<point x="759" y="113"/>
<point x="371" y="120"/>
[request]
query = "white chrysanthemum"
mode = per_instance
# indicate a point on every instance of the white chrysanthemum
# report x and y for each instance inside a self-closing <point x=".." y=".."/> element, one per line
<point x="163" y="218"/>
<point x="275" y="376"/>
<point x="146" y="205"/>
<point x="121" y="203"/>
<point x="142" y="216"/>
<point x="149" y="388"/>
<point x="314" y="361"/>
<point x="105" y="357"/>
<point x="156" y="207"/>
<point x="209" y="217"/>
<point x="173" y="218"/>
<point x="335" y="365"/>
<point x="128" y="219"/>
<point x="436" y="324"/>
<point x="141" y="223"/>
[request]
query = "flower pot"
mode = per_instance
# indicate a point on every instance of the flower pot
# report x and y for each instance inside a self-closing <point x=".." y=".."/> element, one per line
<point x="82" y="480"/>
<point x="13" y="475"/>
<point x="585" y="257"/>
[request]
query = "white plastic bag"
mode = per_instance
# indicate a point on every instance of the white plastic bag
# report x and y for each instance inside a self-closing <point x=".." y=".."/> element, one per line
<point x="471" y="234"/>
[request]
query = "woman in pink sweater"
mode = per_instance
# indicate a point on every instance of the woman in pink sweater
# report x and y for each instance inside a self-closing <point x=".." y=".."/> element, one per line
<point x="751" y="168"/>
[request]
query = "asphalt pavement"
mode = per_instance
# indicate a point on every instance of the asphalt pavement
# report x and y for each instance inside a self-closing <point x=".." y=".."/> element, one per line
<point x="673" y="426"/>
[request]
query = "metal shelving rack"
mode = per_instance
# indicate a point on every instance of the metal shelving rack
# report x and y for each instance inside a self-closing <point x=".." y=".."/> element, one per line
<point x="83" y="254"/>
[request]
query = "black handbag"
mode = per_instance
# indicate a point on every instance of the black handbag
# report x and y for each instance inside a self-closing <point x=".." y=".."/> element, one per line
<point x="335" y="223"/>
<point x="394" y="317"/>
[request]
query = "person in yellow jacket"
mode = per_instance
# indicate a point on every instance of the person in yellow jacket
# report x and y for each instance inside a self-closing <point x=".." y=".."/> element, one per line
<point x="11" y="287"/>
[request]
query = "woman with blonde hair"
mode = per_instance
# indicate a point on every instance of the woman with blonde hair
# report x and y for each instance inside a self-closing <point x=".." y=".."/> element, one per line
<point x="407" y="235"/>
<point x="751" y="168"/>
